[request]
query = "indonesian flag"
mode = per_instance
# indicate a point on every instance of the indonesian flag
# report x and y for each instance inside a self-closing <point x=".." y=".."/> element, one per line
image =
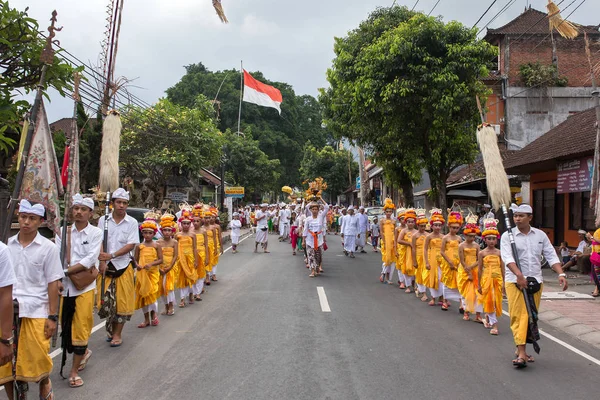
<point x="258" y="93"/>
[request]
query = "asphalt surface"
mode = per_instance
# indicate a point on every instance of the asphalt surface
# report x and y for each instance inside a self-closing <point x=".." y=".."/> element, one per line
<point x="260" y="333"/>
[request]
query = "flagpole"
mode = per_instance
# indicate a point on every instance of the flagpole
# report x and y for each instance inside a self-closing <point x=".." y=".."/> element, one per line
<point x="241" y="95"/>
<point x="47" y="58"/>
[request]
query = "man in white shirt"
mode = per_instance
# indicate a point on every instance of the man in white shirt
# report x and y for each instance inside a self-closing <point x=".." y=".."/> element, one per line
<point x="37" y="267"/>
<point x="262" y="234"/>
<point x="350" y="231"/>
<point x="83" y="250"/>
<point x="531" y="244"/>
<point x="7" y="280"/>
<point x="363" y="227"/>
<point x="115" y="262"/>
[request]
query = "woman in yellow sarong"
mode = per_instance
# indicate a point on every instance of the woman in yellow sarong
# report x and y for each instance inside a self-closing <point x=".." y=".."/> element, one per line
<point x="169" y="270"/>
<point x="188" y="259"/>
<point x="433" y="257"/>
<point x="400" y="248"/>
<point x="450" y="260"/>
<point x="491" y="276"/>
<point x="387" y="226"/>
<point x="148" y="256"/>
<point x="467" y="277"/>
<point x="216" y="227"/>
<point x="417" y="251"/>
<point x="201" y="250"/>
<point x="210" y="236"/>
<point x="404" y="241"/>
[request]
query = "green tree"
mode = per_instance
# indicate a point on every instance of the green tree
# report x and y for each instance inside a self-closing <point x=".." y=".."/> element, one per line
<point x="20" y="50"/>
<point x="419" y="81"/>
<point x="166" y="136"/>
<point x="334" y="166"/>
<point x="248" y="166"/>
<point x="280" y="137"/>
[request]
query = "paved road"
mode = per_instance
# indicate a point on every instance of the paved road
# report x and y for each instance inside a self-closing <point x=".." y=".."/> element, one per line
<point x="260" y="333"/>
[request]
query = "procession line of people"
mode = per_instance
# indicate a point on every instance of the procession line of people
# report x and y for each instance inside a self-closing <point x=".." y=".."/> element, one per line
<point x="442" y="269"/>
<point x="126" y="274"/>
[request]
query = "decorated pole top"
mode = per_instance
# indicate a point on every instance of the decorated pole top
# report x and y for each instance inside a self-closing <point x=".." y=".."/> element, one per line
<point x="47" y="55"/>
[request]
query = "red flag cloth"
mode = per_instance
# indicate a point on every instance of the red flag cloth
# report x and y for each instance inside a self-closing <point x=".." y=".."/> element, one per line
<point x="258" y="93"/>
<point x="64" y="173"/>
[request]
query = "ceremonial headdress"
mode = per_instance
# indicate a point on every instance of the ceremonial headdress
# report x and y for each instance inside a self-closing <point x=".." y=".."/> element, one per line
<point x="213" y="211"/>
<point x="26" y="207"/>
<point x="79" y="200"/>
<point x="167" y="220"/>
<point x="421" y="216"/>
<point x="436" y="216"/>
<point x="120" y="193"/>
<point x="523" y="208"/>
<point x="186" y="215"/>
<point x="455" y="217"/>
<point x="388" y="205"/>
<point x="472" y="228"/>
<point x="401" y="212"/>
<point x="198" y="210"/>
<point x="490" y="227"/>
<point x="410" y="213"/>
<point x="149" y="224"/>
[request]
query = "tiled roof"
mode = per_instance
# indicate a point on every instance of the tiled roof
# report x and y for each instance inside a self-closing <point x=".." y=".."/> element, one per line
<point x="574" y="137"/>
<point x="63" y="124"/>
<point x="474" y="171"/>
<point x="531" y="22"/>
<point x="210" y="177"/>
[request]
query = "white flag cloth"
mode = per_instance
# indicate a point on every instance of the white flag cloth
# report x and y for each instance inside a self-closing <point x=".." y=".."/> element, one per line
<point x="258" y="93"/>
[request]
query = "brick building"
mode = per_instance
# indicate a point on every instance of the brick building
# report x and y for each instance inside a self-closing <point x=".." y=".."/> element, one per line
<point x="523" y="113"/>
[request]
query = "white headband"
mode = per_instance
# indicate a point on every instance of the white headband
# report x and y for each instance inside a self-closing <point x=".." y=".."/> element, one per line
<point x="26" y="207"/>
<point x="120" y="193"/>
<point x="79" y="200"/>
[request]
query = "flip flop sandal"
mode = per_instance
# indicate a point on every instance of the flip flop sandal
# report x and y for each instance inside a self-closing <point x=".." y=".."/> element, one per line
<point x="479" y="321"/>
<point x="466" y="317"/>
<point x="85" y="360"/>
<point x="73" y="382"/>
<point x="116" y="344"/>
<point x="519" y="363"/>
<point x="49" y="396"/>
<point x="444" y="307"/>
<point x="494" y="332"/>
<point x="154" y="322"/>
<point x="109" y="339"/>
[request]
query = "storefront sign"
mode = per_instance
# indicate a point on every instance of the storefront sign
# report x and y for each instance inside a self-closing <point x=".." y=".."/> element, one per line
<point x="466" y="204"/>
<point x="575" y="176"/>
<point x="237" y="192"/>
<point x="178" y="196"/>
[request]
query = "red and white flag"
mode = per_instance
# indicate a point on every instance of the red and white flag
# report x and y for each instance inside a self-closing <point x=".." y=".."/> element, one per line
<point x="258" y="93"/>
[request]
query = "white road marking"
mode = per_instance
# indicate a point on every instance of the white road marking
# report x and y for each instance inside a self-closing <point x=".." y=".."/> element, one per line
<point x="565" y="345"/>
<point x="323" y="299"/>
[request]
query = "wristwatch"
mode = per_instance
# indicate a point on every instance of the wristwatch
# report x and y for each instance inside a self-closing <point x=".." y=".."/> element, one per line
<point x="112" y="255"/>
<point x="53" y="317"/>
<point x="7" y="342"/>
<point x="563" y="275"/>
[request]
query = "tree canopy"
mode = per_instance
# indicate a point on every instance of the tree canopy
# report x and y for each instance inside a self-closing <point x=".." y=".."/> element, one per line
<point x="404" y="85"/>
<point x="279" y="137"/>
<point x="20" y="50"/>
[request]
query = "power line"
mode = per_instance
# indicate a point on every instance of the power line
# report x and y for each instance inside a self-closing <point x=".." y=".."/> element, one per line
<point x="483" y="15"/>
<point x="506" y="7"/>
<point x="438" y="1"/>
<point x="417" y="2"/>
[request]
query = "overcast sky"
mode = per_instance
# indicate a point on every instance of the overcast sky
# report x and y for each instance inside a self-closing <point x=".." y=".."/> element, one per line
<point x="289" y="41"/>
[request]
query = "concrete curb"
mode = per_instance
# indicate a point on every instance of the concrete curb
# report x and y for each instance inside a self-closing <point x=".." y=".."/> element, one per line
<point x="570" y="326"/>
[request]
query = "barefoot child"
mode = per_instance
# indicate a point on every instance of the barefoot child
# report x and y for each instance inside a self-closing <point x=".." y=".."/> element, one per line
<point x="169" y="270"/>
<point x="491" y="273"/>
<point x="450" y="260"/>
<point x="468" y="277"/>
<point x="148" y="256"/>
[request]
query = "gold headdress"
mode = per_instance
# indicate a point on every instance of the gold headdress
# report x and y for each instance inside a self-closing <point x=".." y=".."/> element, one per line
<point x="410" y="214"/>
<point x="401" y="212"/>
<point x="388" y="205"/>
<point x="454" y="217"/>
<point x="198" y="210"/>
<point x="421" y="216"/>
<point x="472" y="228"/>
<point x="490" y="227"/>
<point x="436" y="216"/>
<point x="167" y="220"/>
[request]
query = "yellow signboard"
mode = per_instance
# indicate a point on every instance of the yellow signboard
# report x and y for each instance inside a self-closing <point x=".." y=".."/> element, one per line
<point x="234" y="191"/>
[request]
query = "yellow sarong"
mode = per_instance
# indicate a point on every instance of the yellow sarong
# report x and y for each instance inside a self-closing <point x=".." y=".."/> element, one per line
<point x="388" y="236"/>
<point x="124" y="292"/>
<point x="420" y="249"/>
<point x="519" y="319"/>
<point x="211" y="250"/>
<point x="201" y="255"/>
<point x="187" y="268"/>
<point x="83" y="320"/>
<point x="147" y="281"/>
<point x="491" y="285"/>
<point x="449" y="275"/>
<point x="467" y="288"/>
<point x="430" y="277"/>
<point x="33" y="361"/>
<point x="168" y="280"/>
<point x="408" y="268"/>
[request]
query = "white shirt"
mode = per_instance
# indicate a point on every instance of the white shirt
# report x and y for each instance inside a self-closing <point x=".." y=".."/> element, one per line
<point x="85" y="249"/>
<point x="582" y="245"/>
<point x="363" y="222"/>
<point x="351" y="226"/>
<point x="375" y="229"/>
<point x="261" y="223"/>
<point x="313" y="225"/>
<point x="530" y="248"/>
<point x="35" y="267"/>
<point x="236" y="225"/>
<point x="126" y="232"/>
<point x="7" y="272"/>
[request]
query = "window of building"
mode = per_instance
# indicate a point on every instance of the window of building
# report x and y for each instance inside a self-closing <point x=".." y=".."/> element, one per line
<point x="581" y="216"/>
<point x="544" y="208"/>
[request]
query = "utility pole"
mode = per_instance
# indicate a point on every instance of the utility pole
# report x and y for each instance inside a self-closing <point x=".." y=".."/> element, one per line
<point x="363" y="177"/>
